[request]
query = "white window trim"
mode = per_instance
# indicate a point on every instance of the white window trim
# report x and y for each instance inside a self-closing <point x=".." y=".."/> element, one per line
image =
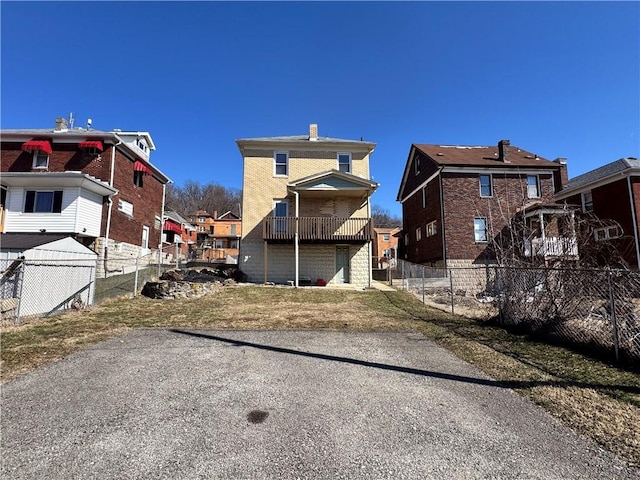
<point x="123" y="207"/>
<point x="431" y="228"/>
<point x="36" y="154"/>
<point x="418" y="234"/>
<point x="490" y="184"/>
<point x="486" y="230"/>
<point x="275" y="156"/>
<point x="606" y="233"/>
<point x="584" y="203"/>
<point x="350" y="161"/>
<point x="424" y="197"/>
<point x="144" y="238"/>
<point x="538" y="186"/>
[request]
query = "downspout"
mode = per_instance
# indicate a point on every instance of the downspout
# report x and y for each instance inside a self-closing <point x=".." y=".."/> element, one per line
<point x="164" y="189"/>
<point x="110" y="201"/>
<point x="635" y="223"/>
<point x="444" y="244"/>
<point x="297" y="238"/>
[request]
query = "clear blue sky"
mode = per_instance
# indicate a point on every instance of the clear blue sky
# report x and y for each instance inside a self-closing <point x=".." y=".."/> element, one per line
<point x="557" y="79"/>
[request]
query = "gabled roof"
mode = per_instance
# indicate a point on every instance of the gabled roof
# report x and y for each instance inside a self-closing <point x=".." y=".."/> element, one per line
<point x="474" y="156"/>
<point x="318" y="181"/>
<point x="228" y="216"/>
<point x="460" y="155"/>
<point x="601" y="175"/>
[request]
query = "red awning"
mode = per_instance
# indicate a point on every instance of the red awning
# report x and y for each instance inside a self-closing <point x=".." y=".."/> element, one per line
<point x="91" y="144"/>
<point x="171" y="227"/>
<point x="138" y="166"/>
<point x="42" y="145"/>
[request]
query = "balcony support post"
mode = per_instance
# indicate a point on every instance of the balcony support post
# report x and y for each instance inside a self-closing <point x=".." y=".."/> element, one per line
<point x="297" y="238"/>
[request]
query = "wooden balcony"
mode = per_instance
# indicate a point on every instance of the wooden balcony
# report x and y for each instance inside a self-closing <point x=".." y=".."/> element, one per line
<point x="317" y="229"/>
<point x="551" y="247"/>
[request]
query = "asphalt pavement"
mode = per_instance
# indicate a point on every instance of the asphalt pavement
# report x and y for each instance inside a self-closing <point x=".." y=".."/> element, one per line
<point x="195" y="404"/>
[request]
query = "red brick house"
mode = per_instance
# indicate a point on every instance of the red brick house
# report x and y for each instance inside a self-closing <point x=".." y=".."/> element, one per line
<point x="457" y="199"/>
<point x="218" y="237"/>
<point x="385" y="245"/>
<point x="97" y="186"/>
<point x="612" y="193"/>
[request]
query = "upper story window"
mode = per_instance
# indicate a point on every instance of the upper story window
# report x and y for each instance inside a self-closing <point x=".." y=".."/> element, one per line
<point x="533" y="186"/>
<point x="125" y="207"/>
<point x="40" y="159"/>
<point x="233" y="229"/>
<point x="431" y="228"/>
<point x="202" y="219"/>
<point x="418" y="234"/>
<point x="281" y="164"/>
<point x="385" y="237"/>
<point x="416" y="162"/>
<point x="424" y="196"/>
<point x="587" y="201"/>
<point x="142" y="145"/>
<point x="480" y="229"/>
<point x="137" y="178"/>
<point x="344" y="162"/>
<point x="38" y="201"/>
<point x="486" y="185"/>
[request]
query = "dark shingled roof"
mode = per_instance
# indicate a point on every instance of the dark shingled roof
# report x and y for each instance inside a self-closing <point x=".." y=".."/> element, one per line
<point x="25" y="241"/>
<point x="461" y="155"/>
<point x="602" y="172"/>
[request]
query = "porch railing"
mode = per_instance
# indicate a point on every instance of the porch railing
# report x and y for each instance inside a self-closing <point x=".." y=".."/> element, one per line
<point x="552" y="247"/>
<point x="333" y="229"/>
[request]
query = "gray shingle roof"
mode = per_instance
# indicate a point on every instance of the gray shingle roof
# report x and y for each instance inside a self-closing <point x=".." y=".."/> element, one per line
<point x="25" y="241"/>
<point x="602" y="172"/>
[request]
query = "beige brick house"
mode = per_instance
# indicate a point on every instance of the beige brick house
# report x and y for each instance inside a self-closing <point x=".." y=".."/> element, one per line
<point x="306" y="210"/>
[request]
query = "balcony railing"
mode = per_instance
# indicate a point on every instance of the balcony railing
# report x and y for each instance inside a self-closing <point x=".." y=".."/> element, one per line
<point x="551" y="247"/>
<point x="321" y="229"/>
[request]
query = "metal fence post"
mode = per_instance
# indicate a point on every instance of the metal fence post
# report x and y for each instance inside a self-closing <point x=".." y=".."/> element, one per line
<point x="614" y="320"/>
<point x="135" y="281"/>
<point x="451" y="288"/>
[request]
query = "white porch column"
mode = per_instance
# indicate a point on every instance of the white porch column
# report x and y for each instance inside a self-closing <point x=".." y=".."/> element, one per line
<point x="297" y="240"/>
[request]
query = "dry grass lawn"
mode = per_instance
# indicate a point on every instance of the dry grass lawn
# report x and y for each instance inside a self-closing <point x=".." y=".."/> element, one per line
<point x="596" y="399"/>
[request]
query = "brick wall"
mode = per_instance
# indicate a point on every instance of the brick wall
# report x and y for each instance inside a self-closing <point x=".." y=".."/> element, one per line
<point x="427" y="250"/>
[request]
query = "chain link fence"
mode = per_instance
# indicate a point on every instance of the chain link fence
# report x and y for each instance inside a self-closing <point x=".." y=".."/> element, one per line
<point x="596" y="308"/>
<point x="42" y="287"/>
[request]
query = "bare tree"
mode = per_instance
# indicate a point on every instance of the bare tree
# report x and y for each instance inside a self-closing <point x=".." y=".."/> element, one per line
<point x="382" y="218"/>
<point x="194" y="196"/>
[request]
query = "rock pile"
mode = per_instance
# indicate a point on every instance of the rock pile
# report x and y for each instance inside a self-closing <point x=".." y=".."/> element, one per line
<point x="191" y="283"/>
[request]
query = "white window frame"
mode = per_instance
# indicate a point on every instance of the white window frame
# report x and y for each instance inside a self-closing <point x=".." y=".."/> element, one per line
<point x="125" y="207"/>
<point x="607" y="233"/>
<point x="490" y="177"/>
<point x="587" y="206"/>
<point x="418" y="233"/>
<point x="431" y="228"/>
<point x="144" y="241"/>
<point x="537" y="193"/>
<point x="477" y="238"/>
<point x="424" y="196"/>
<point x="385" y="237"/>
<point x="276" y="164"/>
<point x="349" y="163"/>
<point x="37" y="154"/>
<point x="416" y="163"/>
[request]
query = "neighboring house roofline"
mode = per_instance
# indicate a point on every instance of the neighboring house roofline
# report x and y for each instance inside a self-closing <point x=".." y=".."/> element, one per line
<point x="304" y="143"/>
<point x="611" y="172"/>
<point x="77" y="135"/>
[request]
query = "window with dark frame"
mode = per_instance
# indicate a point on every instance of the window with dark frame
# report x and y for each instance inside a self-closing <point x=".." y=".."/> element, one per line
<point x="281" y="167"/>
<point x="480" y="229"/>
<point x="37" y="201"/>
<point x="137" y="179"/>
<point x="344" y="162"/>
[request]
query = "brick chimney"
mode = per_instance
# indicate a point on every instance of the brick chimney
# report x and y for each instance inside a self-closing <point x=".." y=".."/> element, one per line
<point x="313" y="132"/>
<point x="503" y="150"/>
<point x="215" y="214"/>
<point x="61" y="125"/>
<point x="560" y="178"/>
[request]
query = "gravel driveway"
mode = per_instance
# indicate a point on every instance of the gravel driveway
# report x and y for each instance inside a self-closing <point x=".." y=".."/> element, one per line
<point x="188" y="404"/>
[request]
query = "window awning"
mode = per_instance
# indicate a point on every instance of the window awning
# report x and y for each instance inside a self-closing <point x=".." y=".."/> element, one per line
<point x="138" y="166"/>
<point x="42" y="145"/>
<point x="171" y="227"/>
<point x="91" y="144"/>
